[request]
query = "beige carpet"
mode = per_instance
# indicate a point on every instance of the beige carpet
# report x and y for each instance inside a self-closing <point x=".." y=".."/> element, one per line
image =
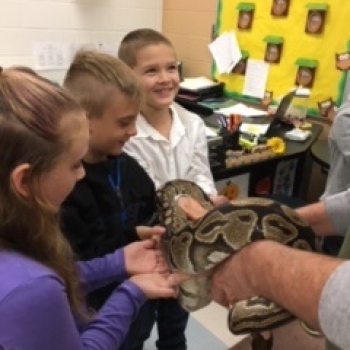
<point x="290" y="337"/>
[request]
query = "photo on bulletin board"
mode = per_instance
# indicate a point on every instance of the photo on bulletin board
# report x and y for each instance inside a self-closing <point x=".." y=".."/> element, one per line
<point x="305" y="77"/>
<point x="272" y="53"/>
<point x="245" y="20"/>
<point x="234" y="187"/>
<point x="280" y="8"/>
<point x="315" y="22"/>
<point x="241" y="66"/>
<point x="245" y="15"/>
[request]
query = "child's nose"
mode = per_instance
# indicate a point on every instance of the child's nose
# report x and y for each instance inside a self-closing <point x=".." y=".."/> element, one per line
<point x="164" y="75"/>
<point x="132" y="131"/>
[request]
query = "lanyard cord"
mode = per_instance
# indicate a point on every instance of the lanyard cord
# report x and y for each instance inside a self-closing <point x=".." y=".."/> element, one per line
<point x="114" y="182"/>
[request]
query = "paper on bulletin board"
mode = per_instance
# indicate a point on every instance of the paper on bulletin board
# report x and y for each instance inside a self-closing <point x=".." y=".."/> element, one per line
<point x="234" y="187"/>
<point x="225" y="51"/>
<point x="255" y="78"/>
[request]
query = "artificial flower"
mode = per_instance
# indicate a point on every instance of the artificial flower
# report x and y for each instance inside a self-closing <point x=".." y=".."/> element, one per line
<point x="276" y="145"/>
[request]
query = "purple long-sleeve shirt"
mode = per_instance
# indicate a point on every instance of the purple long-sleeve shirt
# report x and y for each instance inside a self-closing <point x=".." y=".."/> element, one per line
<point x="35" y="314"/>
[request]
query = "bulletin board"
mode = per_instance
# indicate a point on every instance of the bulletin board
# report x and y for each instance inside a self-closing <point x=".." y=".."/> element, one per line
<point x="324" y="50"/>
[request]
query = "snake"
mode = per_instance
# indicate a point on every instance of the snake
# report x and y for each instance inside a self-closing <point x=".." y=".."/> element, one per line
<point x="195" y="247"/>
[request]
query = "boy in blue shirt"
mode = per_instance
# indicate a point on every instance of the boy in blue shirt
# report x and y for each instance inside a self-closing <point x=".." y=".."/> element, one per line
<point x="113" y="204"/>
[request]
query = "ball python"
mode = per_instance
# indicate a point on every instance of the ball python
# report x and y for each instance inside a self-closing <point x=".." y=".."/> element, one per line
<point x="195" y="247"/>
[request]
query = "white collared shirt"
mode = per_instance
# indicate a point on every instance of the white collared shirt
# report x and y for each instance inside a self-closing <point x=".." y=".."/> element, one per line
<point x="183" y="156"/>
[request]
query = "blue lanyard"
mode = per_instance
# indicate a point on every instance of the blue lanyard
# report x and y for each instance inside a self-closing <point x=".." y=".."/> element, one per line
<point x="114" y="182"/>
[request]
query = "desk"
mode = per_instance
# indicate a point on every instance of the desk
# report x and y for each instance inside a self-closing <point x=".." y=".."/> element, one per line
<point x="286" y="175"/>
<point x="320" y="154"/>
<point x="283" y="174"/>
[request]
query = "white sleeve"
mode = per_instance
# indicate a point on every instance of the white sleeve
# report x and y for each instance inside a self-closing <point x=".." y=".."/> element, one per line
<point x="200" y="167"/>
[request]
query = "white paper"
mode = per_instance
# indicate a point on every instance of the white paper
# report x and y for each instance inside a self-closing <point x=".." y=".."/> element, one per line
<point x="241" y="109"/>
<point x="225" y="51"/>
<point x="255" y="78"/>
<point x="256" y="129"/>
<point x="51" y="55"/>
<point x="197" y="83"/>
<point x="210" y="132"/>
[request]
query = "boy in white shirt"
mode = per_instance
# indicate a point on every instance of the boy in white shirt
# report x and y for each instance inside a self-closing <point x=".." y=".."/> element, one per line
<point x="170" y="144"/>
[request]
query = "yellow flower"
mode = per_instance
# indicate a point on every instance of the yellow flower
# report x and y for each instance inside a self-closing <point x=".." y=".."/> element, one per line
<point x="277" y="145"/>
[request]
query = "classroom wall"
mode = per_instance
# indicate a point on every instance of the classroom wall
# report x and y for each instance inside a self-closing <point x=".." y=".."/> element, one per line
<point x="24" y="22"/>
<point x="187" y="23"/>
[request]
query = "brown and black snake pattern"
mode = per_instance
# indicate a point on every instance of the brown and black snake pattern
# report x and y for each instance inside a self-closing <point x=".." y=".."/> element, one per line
<point x="195" y="247"/>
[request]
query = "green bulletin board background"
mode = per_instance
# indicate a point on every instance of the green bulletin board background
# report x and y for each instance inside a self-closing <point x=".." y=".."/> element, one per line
<point x="329" y="82"/>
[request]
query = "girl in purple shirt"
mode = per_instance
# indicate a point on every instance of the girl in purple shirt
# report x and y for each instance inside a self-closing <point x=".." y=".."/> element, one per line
<point x="43" y="136"/>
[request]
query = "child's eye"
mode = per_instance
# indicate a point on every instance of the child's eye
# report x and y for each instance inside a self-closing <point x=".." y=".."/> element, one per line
<point x="78" y="165"/>
<point x="172" y="68"/>
<point x="151" y="71"/>
<point x="125" y="123"/>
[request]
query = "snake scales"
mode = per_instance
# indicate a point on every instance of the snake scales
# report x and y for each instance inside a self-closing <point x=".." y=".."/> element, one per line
<point x="195" y="247"/>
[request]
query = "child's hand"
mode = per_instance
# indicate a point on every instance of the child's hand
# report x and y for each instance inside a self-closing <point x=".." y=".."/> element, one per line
<point x="156" y="285"/>
<point x="146" y="232"/>
<point x="143" y="257"/>
<point x="191" y="207"/>
<point x="218" y="199"/>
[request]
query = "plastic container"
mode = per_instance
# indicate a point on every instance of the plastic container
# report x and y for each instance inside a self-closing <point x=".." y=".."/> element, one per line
<point x="299" y="105"/>
<point x="297" y="111"/>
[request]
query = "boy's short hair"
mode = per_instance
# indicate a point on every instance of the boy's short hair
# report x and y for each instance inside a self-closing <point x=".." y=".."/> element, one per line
<point x="93" y="77"/>
<point x="136" y="40"/>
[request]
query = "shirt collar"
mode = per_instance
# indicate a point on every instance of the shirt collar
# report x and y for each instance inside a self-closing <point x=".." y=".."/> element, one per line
<point x="145" y="130"/>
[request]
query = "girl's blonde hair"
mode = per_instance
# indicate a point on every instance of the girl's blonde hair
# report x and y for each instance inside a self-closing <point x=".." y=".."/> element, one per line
<point x="31" y="113"/>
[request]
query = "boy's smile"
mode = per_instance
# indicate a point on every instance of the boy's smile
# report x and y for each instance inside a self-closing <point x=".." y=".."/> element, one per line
<point x="157" y="70"/>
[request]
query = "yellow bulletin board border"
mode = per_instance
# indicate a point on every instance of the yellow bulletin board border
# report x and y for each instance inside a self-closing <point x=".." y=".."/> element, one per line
<point x="329" y="81"/>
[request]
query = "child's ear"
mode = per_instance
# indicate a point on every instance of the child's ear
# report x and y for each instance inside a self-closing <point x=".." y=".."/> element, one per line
<point x="19" y="179"/>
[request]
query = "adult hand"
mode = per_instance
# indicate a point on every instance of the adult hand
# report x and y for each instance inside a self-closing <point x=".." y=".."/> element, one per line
<point x="143" y="257"/>
<point x="229" y="280"/>
<point x="156" y="285"/>
<point x="191" y="207"/>
<point x="146" y="232"/>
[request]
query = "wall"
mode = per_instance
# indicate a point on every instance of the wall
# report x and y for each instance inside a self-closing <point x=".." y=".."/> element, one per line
<point x="187" y="23"/>
<point x="23" y="22"/>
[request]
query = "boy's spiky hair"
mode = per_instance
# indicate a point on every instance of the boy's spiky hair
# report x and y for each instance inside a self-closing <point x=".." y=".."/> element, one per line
<point x="93" y="77"/>
<point x="136" y="40"/>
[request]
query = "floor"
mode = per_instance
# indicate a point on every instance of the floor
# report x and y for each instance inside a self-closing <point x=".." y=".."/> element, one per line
<point x="207" y="330"/>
